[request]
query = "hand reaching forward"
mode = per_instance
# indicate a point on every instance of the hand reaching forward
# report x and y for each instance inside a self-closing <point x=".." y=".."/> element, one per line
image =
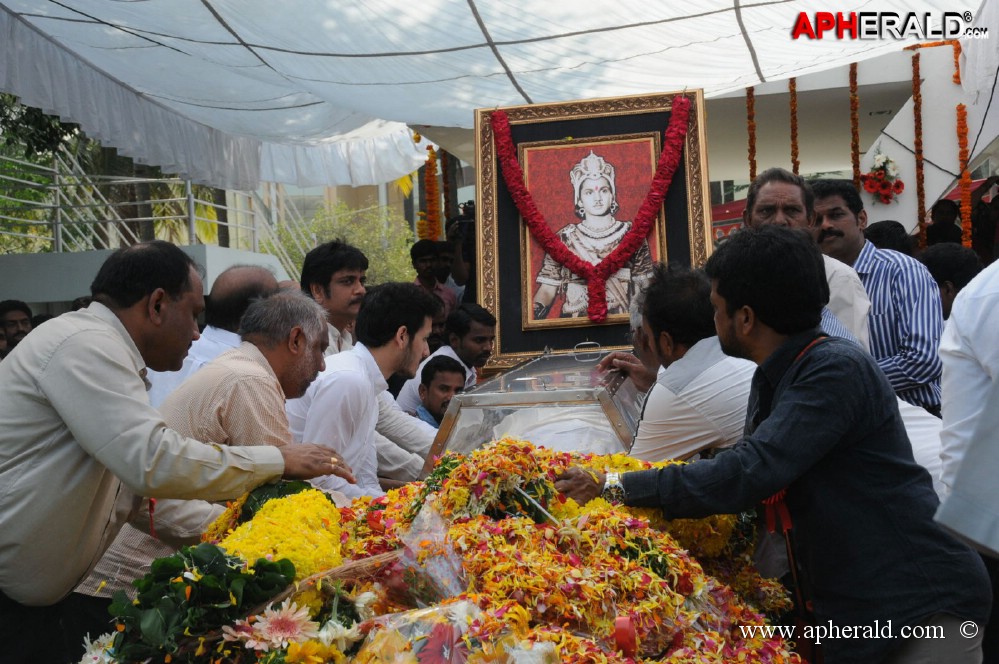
<point x="305" y="461"/>
<point x="642" y="376"/>
<point x="579" y="484"/>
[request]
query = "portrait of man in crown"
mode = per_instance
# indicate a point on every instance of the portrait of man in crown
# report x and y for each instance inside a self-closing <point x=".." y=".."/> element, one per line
<point x="591" y="192"/>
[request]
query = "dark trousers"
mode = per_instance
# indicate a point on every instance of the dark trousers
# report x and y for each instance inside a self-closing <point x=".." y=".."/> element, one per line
<point x="990" y="638"/>
<point x="51" y="634"/>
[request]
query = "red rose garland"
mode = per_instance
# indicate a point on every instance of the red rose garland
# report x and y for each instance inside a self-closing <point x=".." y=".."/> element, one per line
<point x="595" y="275"/>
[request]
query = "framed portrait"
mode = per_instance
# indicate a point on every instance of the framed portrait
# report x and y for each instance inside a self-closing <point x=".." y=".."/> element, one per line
<point x="557" y="176"/>
<point x="588" y="167"/>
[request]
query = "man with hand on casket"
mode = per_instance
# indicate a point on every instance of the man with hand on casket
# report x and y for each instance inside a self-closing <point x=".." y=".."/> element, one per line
<point x="824" y="438"/>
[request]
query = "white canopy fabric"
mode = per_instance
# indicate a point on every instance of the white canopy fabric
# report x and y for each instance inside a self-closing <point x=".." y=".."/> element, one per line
<point x="228" y="92"/>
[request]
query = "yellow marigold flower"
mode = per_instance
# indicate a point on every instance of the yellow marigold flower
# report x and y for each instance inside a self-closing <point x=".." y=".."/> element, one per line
<point x="304" y="528"/>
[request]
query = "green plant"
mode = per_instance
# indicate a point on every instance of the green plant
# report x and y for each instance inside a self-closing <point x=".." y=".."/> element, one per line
<point x="187" y="595"/>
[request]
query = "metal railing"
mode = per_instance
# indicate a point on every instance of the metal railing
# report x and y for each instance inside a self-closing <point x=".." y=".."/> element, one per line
<point x="61" y="208"/>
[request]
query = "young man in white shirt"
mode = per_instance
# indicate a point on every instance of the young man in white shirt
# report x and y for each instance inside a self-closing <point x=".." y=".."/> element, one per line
<point x="341" y="408"/>
<point x="334" y="274"/>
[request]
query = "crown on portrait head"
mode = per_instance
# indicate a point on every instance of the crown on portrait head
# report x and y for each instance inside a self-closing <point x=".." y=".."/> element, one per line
<point x="591" y="167"/>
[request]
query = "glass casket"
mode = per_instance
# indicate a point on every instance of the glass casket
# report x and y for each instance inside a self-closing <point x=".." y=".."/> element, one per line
<point x="557" y="401"/>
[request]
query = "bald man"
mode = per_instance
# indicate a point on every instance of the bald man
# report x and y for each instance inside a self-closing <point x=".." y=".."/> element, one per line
<point x="231" y="294"/>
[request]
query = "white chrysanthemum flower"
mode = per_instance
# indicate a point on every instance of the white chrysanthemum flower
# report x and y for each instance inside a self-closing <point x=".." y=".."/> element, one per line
<point x="98" y="651"/>
<point x="286" y="624"/>
<point x="333" y="633"/>
<point x="362" y="604"/>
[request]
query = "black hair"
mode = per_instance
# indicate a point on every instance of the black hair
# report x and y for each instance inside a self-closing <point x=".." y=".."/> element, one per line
<point x="81" y="302"/>
<point x="951" y="262"/>
<point x="440" y="364"/>
<point x="38" y="319"/>
<point x="844" y="188"/>
<point x="953" y="209"/>
<point x="678" y="302"/>
<point x="390" y="306"/>
<point x="423" y="248"/>
<point x="780" y="175"/>
<point x="324" y="261"/>
<point x="778" y="272"/>
<point x="132" y="273"/>
<point x="14" y="305"/>
<point x="889" y="234"/>
<point x="459" y="321"/>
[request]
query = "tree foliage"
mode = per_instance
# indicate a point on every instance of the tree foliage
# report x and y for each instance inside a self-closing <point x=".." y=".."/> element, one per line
<point x="381" y="233"/>
<point x="39" y="133"/>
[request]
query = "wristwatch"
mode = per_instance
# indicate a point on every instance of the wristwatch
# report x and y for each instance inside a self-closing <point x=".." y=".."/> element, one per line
<point x="613" y="490"/>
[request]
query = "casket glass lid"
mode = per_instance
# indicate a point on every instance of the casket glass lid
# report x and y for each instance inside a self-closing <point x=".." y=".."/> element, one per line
<point x="559" y="401"/>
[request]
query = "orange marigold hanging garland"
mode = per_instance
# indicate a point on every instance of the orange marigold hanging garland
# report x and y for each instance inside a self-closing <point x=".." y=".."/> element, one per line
<point x="962" y="144"/>
<point x="751" y="127"/>
<point x="446" y="184"/>
<point x="917" y="146"/>
<point x="429" y="226"/>
<point x="854" y="126"/>
<point x="792" y="88"/>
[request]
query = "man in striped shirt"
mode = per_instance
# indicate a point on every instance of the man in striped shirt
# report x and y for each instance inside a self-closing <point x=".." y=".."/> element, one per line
<point x="905" y="320"/>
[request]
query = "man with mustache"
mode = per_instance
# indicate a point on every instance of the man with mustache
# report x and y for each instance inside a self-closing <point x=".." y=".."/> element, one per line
<point x="471" y="334"/>
<point x="79" y="442"/>
<point x="236" y="399"/>
<point x="334" y="274"/>
<point x="905" y="318"/>
<point x="16" y="319"/>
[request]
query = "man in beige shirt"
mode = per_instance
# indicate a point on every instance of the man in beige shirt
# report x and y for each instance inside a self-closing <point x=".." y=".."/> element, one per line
<point x="236" y="399"/>
<point x="79" y="441"/>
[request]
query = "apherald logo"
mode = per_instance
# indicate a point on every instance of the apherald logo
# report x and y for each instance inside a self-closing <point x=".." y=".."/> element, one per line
<point x="886" y="25"/>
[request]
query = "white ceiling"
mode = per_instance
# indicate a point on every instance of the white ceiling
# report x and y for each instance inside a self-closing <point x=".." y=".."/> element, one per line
<point x="228" y="91"/>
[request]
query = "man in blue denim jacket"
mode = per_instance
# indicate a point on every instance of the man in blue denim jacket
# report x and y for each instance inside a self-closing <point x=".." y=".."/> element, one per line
<point x="823" y="424"/>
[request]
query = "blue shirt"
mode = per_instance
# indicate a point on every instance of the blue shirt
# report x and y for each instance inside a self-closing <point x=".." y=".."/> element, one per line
<point x="424" y="414"/>
<point x="825" y="424"/>
<point x="905" y="322"/>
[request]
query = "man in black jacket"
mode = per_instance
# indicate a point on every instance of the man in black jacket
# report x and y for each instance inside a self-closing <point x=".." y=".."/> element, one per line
<point x="822" y="424"/>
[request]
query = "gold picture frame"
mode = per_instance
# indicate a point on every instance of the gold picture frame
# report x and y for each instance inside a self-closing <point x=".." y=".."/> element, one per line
<point x="506" y="257"/>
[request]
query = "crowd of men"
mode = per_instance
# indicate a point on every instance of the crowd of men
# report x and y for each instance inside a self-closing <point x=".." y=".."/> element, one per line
<point x="803" y="373"/>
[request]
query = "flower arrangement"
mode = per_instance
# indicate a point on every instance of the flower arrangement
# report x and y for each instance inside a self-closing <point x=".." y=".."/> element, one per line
<point x="882" y="180"/>
<point x="541" y="575"/>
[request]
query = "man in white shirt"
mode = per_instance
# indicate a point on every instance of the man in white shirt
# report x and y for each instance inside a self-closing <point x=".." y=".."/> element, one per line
<point x="699" y="399"/>
<point x="334" y="275"/>
<point x="970" y="355"/>
<point x="340" y="409"/>
<point x="231" y="294"/>
<point x="79" y="441"/>
<point x="471" y="334"/>
<point x="970" y="450"/>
